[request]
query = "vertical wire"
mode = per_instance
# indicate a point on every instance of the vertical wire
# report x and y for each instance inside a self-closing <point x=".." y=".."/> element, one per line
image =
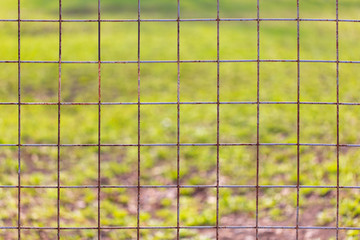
<point x="178" y="125"/>
<point x="99" y="121"/>
<point x="257" y="120"/>
<point x="138" y="175"/>
<point x="337" y="121"/>
<point x="298" y="122"/>
<point x="59" y="122"/>
<point x="19" y="124"/>
<point x="217" y="115"/>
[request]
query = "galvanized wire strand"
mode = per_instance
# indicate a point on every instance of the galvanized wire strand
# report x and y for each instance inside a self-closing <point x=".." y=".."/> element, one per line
<point x="183" y="186"/>
<point x="184" y="227"/>
<point x="139" y="122"/>
<point x="298" y="121"/>
<point x="217" y="117"/>
<point x="99" y="125"/>
<point x="19" y="122"/>
<point x="337" y="123"/>
<point x="190" y="20"/>
<point x="257" y="121"/>
<point x="59" y="122"/>
<point x="178" y="126"/>
<point x="180" y="144"/>
<point x="183" y="61"/>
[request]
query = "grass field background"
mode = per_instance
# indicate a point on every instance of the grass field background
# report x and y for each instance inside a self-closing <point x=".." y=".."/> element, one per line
<point x="238" y="83"/>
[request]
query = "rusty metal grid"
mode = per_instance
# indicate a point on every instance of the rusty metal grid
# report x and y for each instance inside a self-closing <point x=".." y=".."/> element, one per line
<point x="178" y="186"/>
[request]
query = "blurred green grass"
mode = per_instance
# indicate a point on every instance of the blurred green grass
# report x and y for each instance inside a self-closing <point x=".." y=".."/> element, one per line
<point x="278" y="82"/>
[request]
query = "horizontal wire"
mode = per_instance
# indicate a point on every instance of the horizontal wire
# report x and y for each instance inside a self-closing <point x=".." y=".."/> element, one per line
<point x="181" y="227"/>
<point x="185" y="20"/>
<point x="181" y="103"/>
<point x="180" y="186"/>
<point x="181" y="61"/>
<point x="175" y="144"/>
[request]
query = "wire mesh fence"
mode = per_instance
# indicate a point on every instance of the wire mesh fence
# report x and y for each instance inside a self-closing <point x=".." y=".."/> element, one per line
<point x="141" y="189"/>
